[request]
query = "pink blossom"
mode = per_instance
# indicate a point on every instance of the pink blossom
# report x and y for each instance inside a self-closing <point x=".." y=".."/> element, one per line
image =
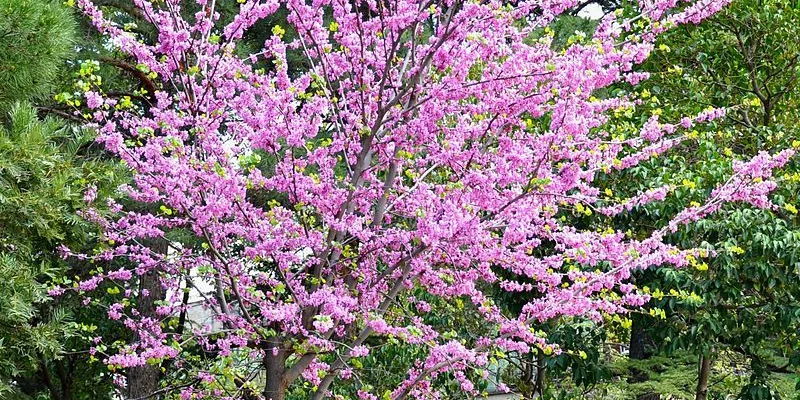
<point x="93" y="99"/>
<point x="359" y="351"/>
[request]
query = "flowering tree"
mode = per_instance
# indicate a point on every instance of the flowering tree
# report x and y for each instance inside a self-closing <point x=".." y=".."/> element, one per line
<point x="430" y="145"/>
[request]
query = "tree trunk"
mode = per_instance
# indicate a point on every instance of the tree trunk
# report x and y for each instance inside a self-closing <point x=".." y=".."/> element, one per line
<point x="143" y="381"/>
<point x="641" y="348"/>
<point x="275" y="367"/>
<point x="65" y="377"/>
<point x="47" y="377"/>
<point x="702" y="378"/>
<point x="538" y="387"/>
<point x="527" y="387"/>
<point x="641" y="345"/>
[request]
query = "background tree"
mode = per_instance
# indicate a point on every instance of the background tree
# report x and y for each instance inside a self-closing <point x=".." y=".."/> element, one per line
<point x="42" y="177"/>
<point x="45" y="167"/>
<point x="741" y="58"/>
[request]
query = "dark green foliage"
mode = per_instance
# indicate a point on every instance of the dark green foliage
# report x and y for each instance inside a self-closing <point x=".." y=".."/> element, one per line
<point x="43" y="173"/>
<point x="35" y="38"/>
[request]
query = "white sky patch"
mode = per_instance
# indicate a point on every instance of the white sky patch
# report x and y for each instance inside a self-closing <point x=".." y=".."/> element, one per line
<point x="592" y="11"/>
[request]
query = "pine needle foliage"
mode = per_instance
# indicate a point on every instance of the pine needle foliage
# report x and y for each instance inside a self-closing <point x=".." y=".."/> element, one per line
<point x="43" y="175"/>
<point x="36" y="36"/>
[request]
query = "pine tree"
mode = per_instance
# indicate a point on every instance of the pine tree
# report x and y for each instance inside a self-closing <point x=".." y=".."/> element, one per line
<point x="35" y="38"/>
<point x="37" y="176"/>
<point x="44" y="170"/>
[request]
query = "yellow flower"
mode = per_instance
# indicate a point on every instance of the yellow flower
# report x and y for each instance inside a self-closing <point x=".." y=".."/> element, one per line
<point x="736" y="250"/>
<point x="278" y="31"/>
